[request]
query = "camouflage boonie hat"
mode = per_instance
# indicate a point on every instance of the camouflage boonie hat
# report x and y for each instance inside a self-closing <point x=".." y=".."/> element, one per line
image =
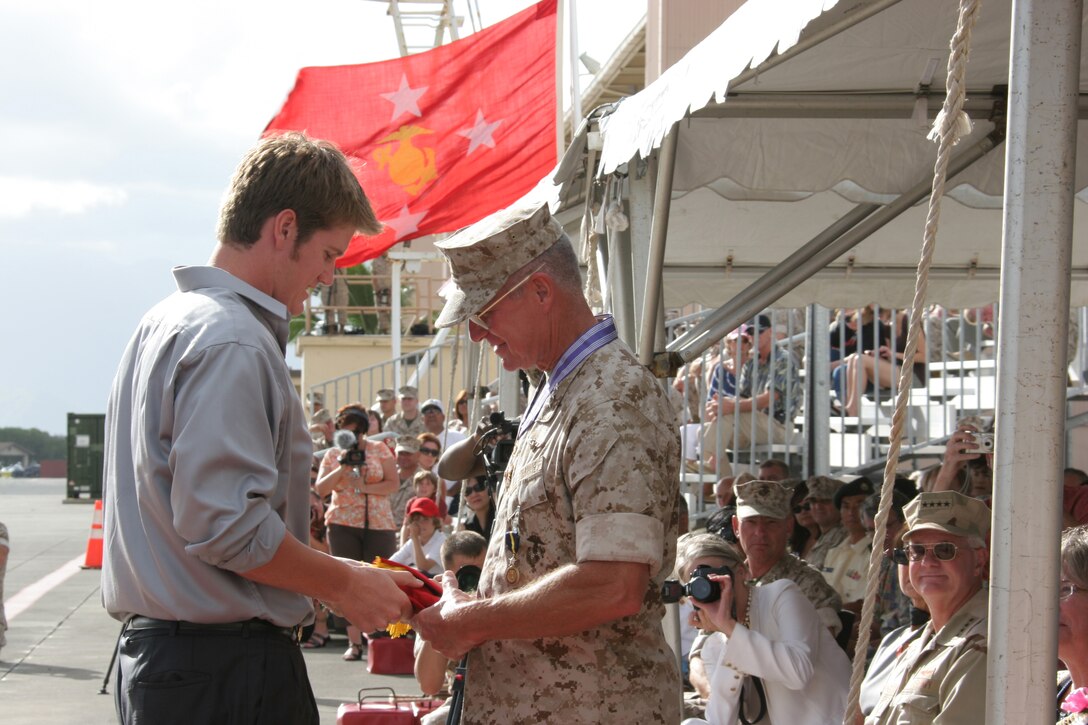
<point x="823" y="487"/>
<point x="386" y="394"/>
<point x="947" y="511"/>
<point x="763" y="498"/>
<point x="484" y="256"/>
<point x="407" y="444"/>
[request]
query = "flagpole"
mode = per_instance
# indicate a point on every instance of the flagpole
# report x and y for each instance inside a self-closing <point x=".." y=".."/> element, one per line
<point x="575" y="90"/>
<point x="560" y="136"/>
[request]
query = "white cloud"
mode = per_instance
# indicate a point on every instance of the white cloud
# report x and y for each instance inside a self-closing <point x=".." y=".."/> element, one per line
<point x="21" y="197"/>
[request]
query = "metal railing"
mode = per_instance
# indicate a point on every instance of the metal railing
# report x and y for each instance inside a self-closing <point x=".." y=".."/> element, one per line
<point x="956" y="377"/>
<point x="440" y="371"/>
<point x="361" y="304"/>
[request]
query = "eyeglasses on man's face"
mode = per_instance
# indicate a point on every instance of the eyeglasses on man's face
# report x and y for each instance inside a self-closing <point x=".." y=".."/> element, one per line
<point x="942" y="550"/>
<point x="478" y="318"/>
<point x="1067" y="589"/>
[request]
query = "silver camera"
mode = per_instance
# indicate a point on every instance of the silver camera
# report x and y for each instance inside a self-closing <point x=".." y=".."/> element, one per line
<point x="984" y="442"/>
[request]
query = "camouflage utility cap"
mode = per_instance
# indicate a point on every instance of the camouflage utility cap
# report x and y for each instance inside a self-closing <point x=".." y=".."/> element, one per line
<point x="485" y="255"/>
<point x="409" y="391"/>
<point x="407" y="444"/>
<point x="386" y="394"/>
<point x="947" y="511"/>
<point x="823" y="488"/>
<point x="763" y="498"/>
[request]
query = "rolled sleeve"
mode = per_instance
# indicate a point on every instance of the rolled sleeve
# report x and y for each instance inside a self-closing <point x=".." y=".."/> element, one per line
<point x="223" y="458"/>
<point x="627" y="537"/>
<point x="622" y="493"/>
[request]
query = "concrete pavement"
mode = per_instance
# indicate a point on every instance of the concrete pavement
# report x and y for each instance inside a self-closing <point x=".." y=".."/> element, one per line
<point x="60" y="644"/>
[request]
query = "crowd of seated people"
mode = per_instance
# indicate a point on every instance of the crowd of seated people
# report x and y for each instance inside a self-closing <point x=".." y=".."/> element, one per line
<point x="927" y="647"/>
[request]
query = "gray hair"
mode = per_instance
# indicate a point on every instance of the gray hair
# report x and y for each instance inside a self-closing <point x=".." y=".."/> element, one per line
<point x="690" y="547"/>
<point x="1075" y="554"/>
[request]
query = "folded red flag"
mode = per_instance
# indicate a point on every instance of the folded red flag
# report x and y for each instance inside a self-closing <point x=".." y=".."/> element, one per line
<point x="420" y="597"/>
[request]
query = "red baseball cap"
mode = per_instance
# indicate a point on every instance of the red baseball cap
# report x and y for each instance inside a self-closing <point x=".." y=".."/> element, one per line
<point x="425" y="506"/>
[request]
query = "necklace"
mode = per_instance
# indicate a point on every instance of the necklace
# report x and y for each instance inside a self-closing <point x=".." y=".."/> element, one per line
<point x="748" y="609"/>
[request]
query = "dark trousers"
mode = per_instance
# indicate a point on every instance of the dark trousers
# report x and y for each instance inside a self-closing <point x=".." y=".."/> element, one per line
<point x="360" y="544"/>
<point x="258" y="676"/>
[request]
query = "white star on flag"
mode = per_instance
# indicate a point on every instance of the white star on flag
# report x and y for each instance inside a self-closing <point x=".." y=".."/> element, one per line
<point x="405" y="222"/>
<point x="480" y="134"/>
<point x="404" y="99"/>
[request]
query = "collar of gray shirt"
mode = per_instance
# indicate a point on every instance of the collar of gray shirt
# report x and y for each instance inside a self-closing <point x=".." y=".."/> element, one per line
<point x="272" y="311"/>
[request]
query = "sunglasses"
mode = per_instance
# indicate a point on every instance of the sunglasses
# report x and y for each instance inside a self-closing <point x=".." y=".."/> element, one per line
<point x="944" y="551"/>
<point x="476" y="488"/>
<point x="1068" y="589"/>
<point x="429" y="451"/>
<point x="478" y="318"/>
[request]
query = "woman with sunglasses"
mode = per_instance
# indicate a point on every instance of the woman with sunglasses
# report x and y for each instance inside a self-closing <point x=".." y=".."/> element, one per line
<point x="1073" y="628"/>
<point x="481" y="504"/>
<point x="359" y="519"/>
<point x="806" y="530"/>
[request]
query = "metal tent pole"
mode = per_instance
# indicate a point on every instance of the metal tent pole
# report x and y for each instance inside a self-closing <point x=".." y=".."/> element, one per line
<point x="1044" y="79"/>
<point x="666" y="165"/>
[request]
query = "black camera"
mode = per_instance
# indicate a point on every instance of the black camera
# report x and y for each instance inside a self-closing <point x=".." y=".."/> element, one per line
<point x="699" y="588"/>
<point x="468" y="578"/>
<point x="353" y="457"/>
<point x="496" y="460"/>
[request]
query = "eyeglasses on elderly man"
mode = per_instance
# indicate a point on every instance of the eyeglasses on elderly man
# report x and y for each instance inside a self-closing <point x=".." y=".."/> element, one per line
<point x="478" y="318"/>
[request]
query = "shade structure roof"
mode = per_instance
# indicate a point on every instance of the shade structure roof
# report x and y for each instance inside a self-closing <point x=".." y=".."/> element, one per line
<point x="838" y="116"/>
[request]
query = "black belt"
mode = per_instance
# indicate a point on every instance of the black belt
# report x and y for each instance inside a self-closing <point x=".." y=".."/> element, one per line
<point x="243" y="629"/>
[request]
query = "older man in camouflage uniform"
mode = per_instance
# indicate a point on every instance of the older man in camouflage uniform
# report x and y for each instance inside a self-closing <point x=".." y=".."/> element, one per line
<point x="567" y="626"/>
<point x="763" y="524"/>
<point x="941" y="677"/>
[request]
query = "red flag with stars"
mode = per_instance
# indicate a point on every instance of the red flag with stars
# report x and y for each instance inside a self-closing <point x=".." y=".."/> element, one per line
<point x="443" y="138"/>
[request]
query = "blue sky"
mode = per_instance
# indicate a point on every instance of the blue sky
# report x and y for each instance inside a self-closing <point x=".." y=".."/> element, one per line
<point x="122" y="121"/>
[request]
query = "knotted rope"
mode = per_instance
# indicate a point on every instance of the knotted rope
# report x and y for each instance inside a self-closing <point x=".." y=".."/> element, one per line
<point x="950" y="125"/>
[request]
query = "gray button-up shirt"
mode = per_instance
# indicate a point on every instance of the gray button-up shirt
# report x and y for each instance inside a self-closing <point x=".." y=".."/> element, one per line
<point x="207" y="458"/>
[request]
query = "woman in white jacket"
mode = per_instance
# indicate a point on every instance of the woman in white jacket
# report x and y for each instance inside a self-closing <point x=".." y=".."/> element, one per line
<point x="770" y="632"/>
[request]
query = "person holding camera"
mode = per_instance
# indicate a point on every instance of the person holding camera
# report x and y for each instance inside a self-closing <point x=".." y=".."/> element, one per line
<point x="566" y="623"/>
<point x="768" y="653"/>
<point x="968" y="465"/>
<point x="360" y="474"/>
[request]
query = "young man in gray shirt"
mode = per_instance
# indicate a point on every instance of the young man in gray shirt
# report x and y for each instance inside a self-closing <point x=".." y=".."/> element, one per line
<point x="208" y="460"/>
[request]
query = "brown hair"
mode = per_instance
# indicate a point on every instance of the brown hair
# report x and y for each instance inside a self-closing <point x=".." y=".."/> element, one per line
<point x="292" y="171"/>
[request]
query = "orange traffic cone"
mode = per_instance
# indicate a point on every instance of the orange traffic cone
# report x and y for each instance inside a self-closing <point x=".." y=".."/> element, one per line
<point x="93" y="559"/>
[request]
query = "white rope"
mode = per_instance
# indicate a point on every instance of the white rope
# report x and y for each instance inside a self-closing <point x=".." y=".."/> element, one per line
<point x="948" y="127"/>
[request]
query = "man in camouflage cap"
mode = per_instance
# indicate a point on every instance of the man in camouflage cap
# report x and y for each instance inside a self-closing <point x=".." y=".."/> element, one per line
<point x="386" y="400"/>
<point x="821" y="502"/>
<point x="567" y="624"/>
<point x="763" y="523"/>
<point x="944" y="668"/>
<point x="408" y="422"/>
<point x="407" y="451"/>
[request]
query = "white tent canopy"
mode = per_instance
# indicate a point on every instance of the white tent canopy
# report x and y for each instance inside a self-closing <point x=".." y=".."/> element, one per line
<point x="766" y="161"/>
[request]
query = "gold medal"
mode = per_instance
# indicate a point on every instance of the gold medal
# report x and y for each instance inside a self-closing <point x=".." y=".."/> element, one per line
<point x="512" y="574"/>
